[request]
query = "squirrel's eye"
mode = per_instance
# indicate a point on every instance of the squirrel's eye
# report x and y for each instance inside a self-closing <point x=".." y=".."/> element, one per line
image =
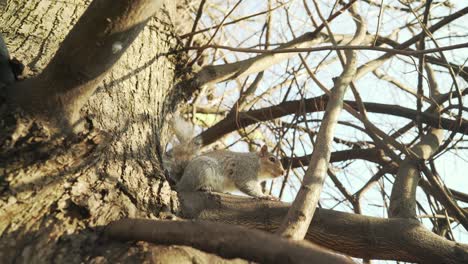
<point x="272" y="159"/>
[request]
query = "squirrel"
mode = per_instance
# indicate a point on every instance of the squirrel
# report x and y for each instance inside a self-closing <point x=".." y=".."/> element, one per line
<point x="219" y="170"/>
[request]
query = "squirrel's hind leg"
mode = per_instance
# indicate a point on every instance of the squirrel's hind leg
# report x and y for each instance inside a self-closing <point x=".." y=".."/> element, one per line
<point x="202" y="174"/>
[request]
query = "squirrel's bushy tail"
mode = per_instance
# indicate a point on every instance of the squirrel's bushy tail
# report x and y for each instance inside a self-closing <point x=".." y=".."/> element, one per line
<point x="176" y="160"/>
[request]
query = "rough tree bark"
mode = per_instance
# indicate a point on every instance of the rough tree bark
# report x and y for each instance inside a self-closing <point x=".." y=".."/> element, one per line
<point x="57" y="192"/>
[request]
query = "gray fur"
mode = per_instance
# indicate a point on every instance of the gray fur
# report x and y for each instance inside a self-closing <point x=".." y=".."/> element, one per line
<point x="222" y="171"/>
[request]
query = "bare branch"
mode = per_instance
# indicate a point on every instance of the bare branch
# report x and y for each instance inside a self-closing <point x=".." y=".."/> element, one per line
<point x="231" y="22"/>
<point x="372" y="154"/>
<point x="316" y="104"/>
<point x="403" y="197"/>
<point x="405" y="52"/>
<point x="194" y="26"/>
<point x="224" y="240"/>
<point x="300" y="214"/>
<point x="355" y="235"/>
<point x="443" y="195"/>
<point x="220" y="73"/>
<point x="372" y="65"/>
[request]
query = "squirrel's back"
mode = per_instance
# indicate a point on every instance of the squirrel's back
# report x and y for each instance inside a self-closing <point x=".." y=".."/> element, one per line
<point x="219" y="171"/>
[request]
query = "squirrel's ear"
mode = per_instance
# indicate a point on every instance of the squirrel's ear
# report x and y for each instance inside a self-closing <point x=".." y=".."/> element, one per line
<point x="263" y="151"/>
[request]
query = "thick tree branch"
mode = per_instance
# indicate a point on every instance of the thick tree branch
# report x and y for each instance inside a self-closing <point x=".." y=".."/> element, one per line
<point x="227" y="241"/>
<point x="89" y="51"/>
<point x="316" y="104"/>
<point x="355" y="235"/>
<point x="372" y="154"/>
<point x="403" y="197"/>
<point x="300" y="214"/>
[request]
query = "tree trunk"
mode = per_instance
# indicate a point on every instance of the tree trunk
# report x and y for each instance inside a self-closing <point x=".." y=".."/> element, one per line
<point x="57" y="193"/>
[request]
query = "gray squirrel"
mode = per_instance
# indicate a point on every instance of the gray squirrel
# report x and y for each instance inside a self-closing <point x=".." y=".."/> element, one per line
<point x="219" y="170"/>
